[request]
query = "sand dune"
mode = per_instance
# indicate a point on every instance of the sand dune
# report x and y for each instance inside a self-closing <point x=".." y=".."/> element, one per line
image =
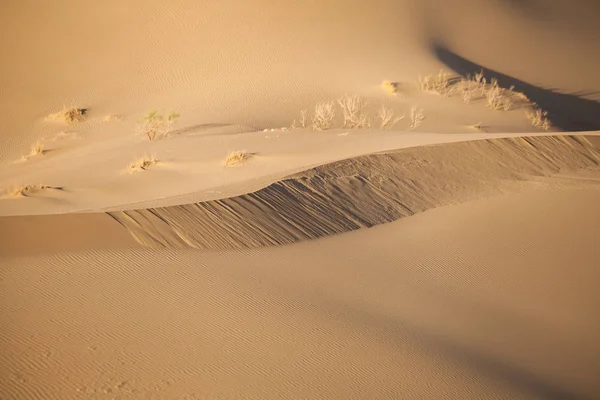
<point x="360" y="193"/>
<point x="480" y="300"/>
<point x="439" y="242"/>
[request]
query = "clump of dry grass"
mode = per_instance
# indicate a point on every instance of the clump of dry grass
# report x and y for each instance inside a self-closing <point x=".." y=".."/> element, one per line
<point x="237" y="157"/>
<point x="142" y="163"/>
<point x="539" y="118"/>
<point x="391" y="87"/>
<point x="27" y="190"/>
<point x="323" y="116"/>
<point x="69" y="115"/>
<point x="499" y="98"/>
<point x="37" y="149"/>
<point x="417" y="116"/>
<point x="386" y="116"/>
<point x="436" y="83"/>
<point x="353" y="110"/>
<point x="154" y="126"/>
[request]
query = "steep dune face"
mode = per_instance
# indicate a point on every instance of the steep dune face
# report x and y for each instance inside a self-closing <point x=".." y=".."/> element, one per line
<point x="360" y="192"/>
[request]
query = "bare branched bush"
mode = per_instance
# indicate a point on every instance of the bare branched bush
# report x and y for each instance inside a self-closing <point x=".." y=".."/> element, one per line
<point x="154" y="126"/>
<point x="237" y="157"/>
<point x="417" y="116"/>
<point x="142" y="163"/>
<point x="539" y="118"/>
<point x="353" y="110"/>
<point x="386" y="116"/>
<point x="323" y="117"/>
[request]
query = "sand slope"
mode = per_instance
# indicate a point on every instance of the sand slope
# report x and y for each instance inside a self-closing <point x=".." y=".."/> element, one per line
<point x="489" y="299"/>
<point x="361" y="192"/>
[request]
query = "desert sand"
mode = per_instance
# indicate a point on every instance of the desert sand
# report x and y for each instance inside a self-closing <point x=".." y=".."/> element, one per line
<point x="438" y="240"/>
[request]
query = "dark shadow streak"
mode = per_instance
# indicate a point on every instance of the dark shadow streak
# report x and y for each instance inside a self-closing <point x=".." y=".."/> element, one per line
<point x="567" y="112"/>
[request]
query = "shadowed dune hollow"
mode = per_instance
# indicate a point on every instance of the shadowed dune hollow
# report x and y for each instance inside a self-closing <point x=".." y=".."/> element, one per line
<point x="362" y="192"/>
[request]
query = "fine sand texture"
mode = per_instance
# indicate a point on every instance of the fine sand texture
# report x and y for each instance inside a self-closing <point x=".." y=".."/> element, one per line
<point x="385" y="199"/>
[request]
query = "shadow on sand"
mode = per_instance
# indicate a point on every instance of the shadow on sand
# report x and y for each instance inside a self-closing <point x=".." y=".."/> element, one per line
<point x="567" y="112"/>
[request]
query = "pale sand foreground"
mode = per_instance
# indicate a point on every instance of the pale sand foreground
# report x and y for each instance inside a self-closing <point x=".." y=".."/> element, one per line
<point x="494" y="298"/>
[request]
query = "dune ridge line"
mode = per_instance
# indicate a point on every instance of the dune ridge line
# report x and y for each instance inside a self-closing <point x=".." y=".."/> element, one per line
<point x="359" y="193"/>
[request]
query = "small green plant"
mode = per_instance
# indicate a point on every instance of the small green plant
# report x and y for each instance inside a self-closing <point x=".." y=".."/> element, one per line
<point x="154" y="126"/>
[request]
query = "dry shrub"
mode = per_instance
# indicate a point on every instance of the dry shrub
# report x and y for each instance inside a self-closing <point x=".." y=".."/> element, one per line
<point x="37" y="149"/>
<point x="154" y="126"/>
<point x="237" y="157"/>
<point x="142" y="163"/>
<point x="539" y="118"/>
<point x="437" y="83"/>
<point x="417" y="116"/>
<point x="386" y="116"/>
<point x="69" y="115"/>
<point x="353" y="110"/>
<point x="323" y="117"/>
<point x="27" y="190"/>
<point x="499" y="98"/>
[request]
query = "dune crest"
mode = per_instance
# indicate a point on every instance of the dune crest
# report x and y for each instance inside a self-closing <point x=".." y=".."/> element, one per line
<point x="360" y="192"/>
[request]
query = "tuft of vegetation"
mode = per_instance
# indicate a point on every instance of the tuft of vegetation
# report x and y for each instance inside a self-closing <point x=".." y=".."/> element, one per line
<point x="353" y="110"/>
<point x="391" y="87"/>
<point x="386" y="117"/>
<point x="27" y="190"/>
<point x="37" y="149"/>
<point x="69" y="115"/>
<point x="499" y="98"/>
<point x="155" y="126"/>
<point x="417" y="116"/>
<point x="436" y="83"/>
<point x="142" y="163"/>
<point x="323" y="116"/>
<point x="539" y="118"/>
<point x="237" y="157"/>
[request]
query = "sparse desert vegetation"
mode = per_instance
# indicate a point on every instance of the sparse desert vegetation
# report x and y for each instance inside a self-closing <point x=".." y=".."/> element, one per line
<point x="69" y="115"/>
<point x="539" y="118"/>
<point x="156" y="126"/>
<point x="391" y="87"/>
<point x="386" y="117"/>
<point x="323" y="116"/>
<point x="353" y="111"/>
<point x="237" y="157"/>
<point x="417" y="116"/>
<point x="142" y="163"/>
<point x="37" y="149"/>
<point x="437" y="83"/>
<point x="26" y="190"/>
<point x="499" y="98"/>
